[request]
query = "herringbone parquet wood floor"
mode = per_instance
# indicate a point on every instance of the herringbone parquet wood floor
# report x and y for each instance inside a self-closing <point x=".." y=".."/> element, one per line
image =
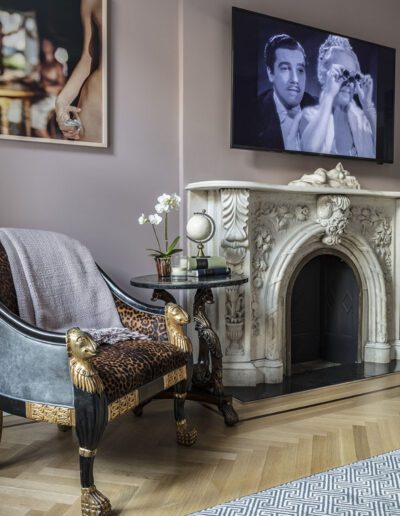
<point x="145" y="473"/>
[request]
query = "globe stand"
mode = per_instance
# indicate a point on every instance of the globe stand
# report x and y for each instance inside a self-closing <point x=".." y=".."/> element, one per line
<point x="204" y="238"/>
<point x="200" y="250"/>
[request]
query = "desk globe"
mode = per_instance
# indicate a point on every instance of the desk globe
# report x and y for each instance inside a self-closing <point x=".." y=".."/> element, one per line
<point x="200" y="229"/>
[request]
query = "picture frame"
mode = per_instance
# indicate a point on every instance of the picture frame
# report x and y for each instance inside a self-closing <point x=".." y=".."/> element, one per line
<point x="54" y="71"/>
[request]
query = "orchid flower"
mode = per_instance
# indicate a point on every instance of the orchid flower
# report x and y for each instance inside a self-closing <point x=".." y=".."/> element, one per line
<point x="165" y="204"/>
<point x="155" y="219"/>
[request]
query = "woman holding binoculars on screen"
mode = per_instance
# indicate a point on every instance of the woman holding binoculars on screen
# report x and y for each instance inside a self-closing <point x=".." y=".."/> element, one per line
<point x="344" y="122"/>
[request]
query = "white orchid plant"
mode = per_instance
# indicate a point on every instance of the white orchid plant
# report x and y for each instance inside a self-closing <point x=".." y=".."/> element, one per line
<point x="165" y="204"/>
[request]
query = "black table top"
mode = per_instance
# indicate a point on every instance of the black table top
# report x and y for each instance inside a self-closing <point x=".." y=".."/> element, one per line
<point x="152" y="281"/>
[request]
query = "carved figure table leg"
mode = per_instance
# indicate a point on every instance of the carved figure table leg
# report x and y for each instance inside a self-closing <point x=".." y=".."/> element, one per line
<point x="159" y="294"/>
<point x="205" y="377"/>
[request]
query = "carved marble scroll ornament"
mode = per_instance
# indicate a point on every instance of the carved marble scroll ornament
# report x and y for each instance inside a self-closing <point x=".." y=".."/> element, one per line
<point x="333" y="213"/>
<point x="235" y="212"/>
<point x="338" y="177"/>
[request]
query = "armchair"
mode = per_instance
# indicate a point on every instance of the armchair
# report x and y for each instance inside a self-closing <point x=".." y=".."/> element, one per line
<point x="72" y="382"/>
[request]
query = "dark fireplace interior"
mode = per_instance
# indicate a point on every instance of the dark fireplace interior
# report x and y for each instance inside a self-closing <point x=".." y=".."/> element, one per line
<point x="323" y="333"/>
<point x="324" y="316"/>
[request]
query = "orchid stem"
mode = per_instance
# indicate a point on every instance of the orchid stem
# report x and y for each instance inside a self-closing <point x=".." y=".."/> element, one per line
<point x="166" y="231"/>
<point x="155" y="234"/>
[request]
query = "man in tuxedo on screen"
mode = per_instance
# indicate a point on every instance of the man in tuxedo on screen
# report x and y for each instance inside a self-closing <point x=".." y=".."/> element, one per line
<point x="280" y="108"/>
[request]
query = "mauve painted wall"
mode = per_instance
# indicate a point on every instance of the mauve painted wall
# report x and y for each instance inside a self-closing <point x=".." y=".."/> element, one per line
<point x="97" y="195"/>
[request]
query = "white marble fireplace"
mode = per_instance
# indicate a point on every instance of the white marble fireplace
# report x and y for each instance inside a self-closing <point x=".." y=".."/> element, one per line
<point x="267" y="232"/>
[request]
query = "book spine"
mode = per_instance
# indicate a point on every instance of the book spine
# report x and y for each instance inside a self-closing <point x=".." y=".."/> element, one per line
<point x="203" y="273"/>
<point x="212" y="262"/>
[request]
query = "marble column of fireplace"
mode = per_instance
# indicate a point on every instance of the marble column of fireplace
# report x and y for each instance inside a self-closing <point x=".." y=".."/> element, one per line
<point x="266" y="231"/>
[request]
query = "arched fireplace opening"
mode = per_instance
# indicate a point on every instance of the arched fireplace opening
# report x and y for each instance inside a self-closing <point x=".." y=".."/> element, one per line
<point x="324" y="317"/>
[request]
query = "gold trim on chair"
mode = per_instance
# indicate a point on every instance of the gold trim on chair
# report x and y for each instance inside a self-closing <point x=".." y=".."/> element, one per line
<point x="133" y="399"/>
<point x="124" y="404"/>
<point x="83" y="452"/>
<point x="175" y="377"/>
<point x="180" y="396"/>
<point x="50" y="413"/>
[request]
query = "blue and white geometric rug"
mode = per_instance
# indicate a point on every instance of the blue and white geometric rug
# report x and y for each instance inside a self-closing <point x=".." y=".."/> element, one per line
<point x="366" y="488"/>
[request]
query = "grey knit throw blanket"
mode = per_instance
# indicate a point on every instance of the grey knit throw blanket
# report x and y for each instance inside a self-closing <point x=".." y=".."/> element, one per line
<point x="59" y="286"/>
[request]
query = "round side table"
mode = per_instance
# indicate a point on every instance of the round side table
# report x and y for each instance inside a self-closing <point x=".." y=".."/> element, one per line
<point x="207" y="372"/>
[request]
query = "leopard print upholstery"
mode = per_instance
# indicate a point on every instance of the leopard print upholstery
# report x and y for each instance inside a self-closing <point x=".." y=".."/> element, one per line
<point x="126" y="366"/>
<point x="149" y="324"/>
<point x="8" y="295"/>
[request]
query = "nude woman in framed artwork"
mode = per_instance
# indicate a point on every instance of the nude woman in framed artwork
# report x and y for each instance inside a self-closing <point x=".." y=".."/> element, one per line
<point x="86" y="121"/>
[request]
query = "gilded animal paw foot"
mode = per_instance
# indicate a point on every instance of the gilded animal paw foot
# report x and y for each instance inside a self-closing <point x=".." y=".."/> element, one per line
<point x="94" y="503"/>
<point x="185" y="436"/>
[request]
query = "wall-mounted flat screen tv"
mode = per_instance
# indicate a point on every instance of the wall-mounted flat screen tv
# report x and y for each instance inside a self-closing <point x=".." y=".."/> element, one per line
<point x="305" y="90"/>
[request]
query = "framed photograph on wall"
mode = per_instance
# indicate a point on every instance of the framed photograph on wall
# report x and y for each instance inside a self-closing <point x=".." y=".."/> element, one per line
<point x="53" y="71"/>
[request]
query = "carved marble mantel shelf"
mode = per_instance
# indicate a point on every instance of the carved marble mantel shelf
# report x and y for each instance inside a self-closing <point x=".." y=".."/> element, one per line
<point x="269" y="187"/>
<point x="268" y="232"/>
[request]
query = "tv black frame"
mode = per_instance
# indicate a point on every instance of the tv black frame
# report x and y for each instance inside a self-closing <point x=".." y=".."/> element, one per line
<point x="383" y="155"/>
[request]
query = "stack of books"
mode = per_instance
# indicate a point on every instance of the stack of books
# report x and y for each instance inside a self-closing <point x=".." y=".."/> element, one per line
<point x="207" y="266"/>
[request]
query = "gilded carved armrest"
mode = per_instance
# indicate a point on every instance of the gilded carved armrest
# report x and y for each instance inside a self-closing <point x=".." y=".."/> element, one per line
<point x="81" y="348"/>
<point x="176" y="318"/>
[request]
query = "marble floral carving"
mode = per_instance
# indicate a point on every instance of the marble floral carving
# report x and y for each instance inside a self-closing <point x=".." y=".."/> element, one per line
<point x="268" y="220"/>
<point x="376" y="227"/>
<point x="333" y="215"/>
